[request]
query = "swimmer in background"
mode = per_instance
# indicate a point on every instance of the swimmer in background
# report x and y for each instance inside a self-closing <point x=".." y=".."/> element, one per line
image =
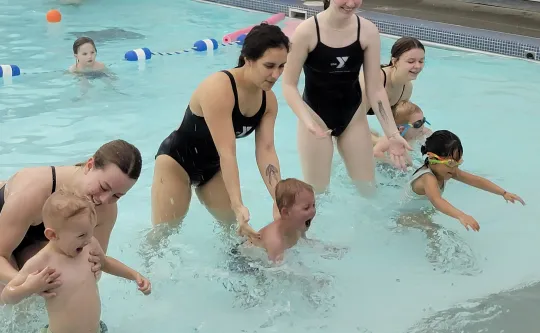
<point x="444" y="156"/>
<point x="84" y="51"/>
<point x="410" y="122"/>
<point x="61" y="268"/>
<point x="296" y="203"/>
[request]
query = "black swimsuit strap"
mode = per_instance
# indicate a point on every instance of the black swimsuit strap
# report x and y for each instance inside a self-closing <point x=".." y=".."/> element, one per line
<point x="233" y="84"/>
<point x="317" y="28"/>
<point x="53" y="179"/>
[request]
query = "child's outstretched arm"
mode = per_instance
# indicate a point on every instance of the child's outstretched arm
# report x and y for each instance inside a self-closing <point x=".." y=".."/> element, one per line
<point x="116" y="268"/>
<point x="431" y="188"/>
<point x="486" y="185"/>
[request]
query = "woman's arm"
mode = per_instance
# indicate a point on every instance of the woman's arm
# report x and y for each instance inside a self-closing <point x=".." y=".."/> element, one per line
<point x="375" y="91"/>
<point x="217" y="101"/>
<point x="15" y="219"/>
<point x="295" y="61"/>
<point x="265" y="150"/>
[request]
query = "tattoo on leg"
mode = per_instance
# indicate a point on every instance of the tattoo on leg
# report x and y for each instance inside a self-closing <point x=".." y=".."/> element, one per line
<point x="272" y="173"/>
<point x="382" y="112"/>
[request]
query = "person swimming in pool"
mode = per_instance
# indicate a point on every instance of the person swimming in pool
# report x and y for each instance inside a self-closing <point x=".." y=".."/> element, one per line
<point x="74" y="306"/>
<point x="444" y="156"/>
<point x="201" y="152"/>
<point x="296" y="202"/>
<point x="410" y="121"/>
<point x="332" y="47"/>
<point x="85" y="51"/>
<point x="105" y="177"/>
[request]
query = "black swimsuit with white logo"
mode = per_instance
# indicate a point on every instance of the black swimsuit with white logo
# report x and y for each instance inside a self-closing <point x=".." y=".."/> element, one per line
<point x="332" y="89"/>
<point x="192" y="145"/>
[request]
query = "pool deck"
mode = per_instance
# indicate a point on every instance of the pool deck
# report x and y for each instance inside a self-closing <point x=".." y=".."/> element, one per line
<point x="507" y="16"/>
<point x="513" y="32"/>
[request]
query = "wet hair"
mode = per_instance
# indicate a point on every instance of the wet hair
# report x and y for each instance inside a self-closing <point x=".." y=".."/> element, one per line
<point x="326" y="4"/>
<point x="287" y="189"/>
<point x="64" y="205"/>
<point x="80" y="42"/>
<point x="121" y="153"/>
<point x="442" y="143"/>
<point x="261" y="38"/>
<point x="403" y="111"/>
<point x="402" y="45"/>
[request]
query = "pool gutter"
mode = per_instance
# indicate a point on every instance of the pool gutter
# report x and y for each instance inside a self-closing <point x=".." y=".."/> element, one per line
<point x="434" y="32"/>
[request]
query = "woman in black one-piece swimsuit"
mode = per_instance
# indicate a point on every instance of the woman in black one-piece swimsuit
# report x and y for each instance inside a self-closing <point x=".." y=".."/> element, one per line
<point x="105" y="177"/>
<point x="201" y="152"/>
<point x="331" y="48"/>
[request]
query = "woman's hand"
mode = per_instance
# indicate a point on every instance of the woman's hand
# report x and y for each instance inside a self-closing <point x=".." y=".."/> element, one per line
<point x="244" y="229"/>
<point x="317" y="130"/>
<point x="97" y="256"/>
<point x="397" y="150"/>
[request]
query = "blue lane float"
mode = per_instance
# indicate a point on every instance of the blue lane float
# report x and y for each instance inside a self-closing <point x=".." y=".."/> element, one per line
<point x="240" y="39"/>
<point x="138" y="54"/>
<point x="202" y="45"/>
<point x="9" y="70"/>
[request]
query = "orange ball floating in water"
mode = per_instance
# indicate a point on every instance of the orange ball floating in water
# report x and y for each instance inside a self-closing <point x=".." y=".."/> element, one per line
<point x="54" y="16"/>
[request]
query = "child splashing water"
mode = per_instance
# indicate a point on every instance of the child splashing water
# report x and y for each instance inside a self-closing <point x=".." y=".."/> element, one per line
<point x="60" y="271"/>
<point x="296" y="203"/>
<point x="444" y="156"/>
<point x="410" y="121"/>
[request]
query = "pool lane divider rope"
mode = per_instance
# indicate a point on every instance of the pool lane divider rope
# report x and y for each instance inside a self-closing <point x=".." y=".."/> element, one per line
<point x="208" y="45"/>
<point x="141" y="54"/>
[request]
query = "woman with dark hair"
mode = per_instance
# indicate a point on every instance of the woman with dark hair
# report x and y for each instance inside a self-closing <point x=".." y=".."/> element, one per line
<point x="104" y="178"/>
<point x="406" y="62"/>
<point x="227" y="105"/>
<point x="331" y="47"/>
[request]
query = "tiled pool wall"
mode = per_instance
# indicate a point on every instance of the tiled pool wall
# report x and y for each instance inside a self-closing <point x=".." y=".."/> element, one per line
<point x="447" y="34"/>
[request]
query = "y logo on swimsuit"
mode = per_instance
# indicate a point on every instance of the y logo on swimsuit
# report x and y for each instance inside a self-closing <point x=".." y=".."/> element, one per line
<point x="245" y="130"/>
<point x="342" y="61"/>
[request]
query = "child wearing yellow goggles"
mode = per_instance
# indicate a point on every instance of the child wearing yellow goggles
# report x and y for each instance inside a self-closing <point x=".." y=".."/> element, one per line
<point x="444" y="156"/>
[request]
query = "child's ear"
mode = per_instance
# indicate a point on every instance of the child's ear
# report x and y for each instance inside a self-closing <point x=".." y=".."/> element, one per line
<point x="284" y="211"/>
<point x="50" y="234"/>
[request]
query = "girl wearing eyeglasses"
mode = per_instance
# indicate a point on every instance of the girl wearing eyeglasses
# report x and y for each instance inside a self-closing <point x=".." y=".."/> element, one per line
<point x="444" y="156"/>
<point x="410" y="122"/>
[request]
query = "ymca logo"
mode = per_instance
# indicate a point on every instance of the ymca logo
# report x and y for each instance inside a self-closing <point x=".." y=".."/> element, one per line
<point x="341" y="62"/>
<point x="245" y="131"/>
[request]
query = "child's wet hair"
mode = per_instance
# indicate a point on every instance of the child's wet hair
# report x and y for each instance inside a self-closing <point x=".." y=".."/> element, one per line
<point x="444" y="144"/>
<point x="287" y="189"/>
<point x="403" y="111"/>
<point x="64" y="205"/>
<point x="80" y="42"/>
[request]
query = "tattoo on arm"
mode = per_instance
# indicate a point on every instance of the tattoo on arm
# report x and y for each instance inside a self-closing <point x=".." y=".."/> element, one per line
<point x="382" y="112"/>
<point x="272" y="173"/>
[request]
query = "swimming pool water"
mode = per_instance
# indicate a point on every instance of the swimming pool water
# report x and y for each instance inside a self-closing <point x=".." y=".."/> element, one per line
<point x="378" y="278"/>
